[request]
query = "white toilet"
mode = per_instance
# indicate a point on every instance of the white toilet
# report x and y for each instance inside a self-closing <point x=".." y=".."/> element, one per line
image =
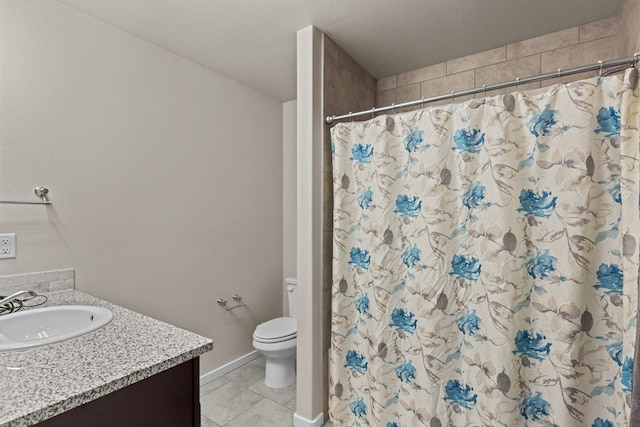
<point x="276" y="340"/>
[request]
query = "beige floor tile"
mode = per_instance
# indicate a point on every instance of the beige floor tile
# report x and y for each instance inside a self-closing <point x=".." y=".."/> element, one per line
<point x="264" y="414"/>
<point x="212" y="385"/>
<point x="278" y="395"/>
<point x="206" y="422"/>
<point x="247" y="374"/>
<point x="291" y="404"/>
<point x="260" y="361"/>
<point x="227" y="402"/>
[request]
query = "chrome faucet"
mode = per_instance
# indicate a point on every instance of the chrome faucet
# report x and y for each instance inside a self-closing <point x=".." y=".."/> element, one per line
<point x="17" y="295"/>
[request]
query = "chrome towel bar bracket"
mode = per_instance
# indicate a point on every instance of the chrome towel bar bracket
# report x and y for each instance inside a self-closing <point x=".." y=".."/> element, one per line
<point x="41" y="192"/>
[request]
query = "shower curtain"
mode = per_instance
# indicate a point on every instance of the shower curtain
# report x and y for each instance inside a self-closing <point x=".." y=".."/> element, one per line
<point x="485" y="268"/>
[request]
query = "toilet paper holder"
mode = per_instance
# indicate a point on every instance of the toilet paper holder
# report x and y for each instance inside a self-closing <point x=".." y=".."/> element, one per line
<point x="237" y="298"/>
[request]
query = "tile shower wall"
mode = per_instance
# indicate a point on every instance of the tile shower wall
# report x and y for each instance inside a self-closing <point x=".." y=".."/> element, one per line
<point x="40" y="282"/>
<point x="576" y="46"/>
<point x="630" y="27"/>
<point x="347" y="87"/>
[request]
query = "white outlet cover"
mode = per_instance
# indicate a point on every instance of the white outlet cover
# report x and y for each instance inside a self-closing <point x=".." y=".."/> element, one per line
<point x="7" y="246"/>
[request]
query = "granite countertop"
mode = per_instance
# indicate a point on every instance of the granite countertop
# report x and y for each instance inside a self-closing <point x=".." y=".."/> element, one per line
<point x="41" y="382"/>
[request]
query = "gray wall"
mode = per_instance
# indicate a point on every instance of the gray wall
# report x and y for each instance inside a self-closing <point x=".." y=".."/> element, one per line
<point x="166" y="178"/>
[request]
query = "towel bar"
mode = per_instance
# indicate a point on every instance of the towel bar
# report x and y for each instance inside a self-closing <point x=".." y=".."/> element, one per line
<point x="39" y="191"/>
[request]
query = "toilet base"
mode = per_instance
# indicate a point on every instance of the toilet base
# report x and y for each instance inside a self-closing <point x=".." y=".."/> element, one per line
<point x="280" y="372"/>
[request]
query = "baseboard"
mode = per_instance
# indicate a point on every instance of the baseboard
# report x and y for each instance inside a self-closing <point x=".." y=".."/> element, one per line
<point x="300" y="421"/>
<point x="217" y="373"/>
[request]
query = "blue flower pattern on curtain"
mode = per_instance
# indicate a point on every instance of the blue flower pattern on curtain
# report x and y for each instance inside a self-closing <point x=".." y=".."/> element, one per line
<point x="486" y="261"/>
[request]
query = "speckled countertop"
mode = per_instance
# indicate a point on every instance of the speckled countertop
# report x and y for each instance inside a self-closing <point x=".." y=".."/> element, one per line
<point x="39" y="383"/>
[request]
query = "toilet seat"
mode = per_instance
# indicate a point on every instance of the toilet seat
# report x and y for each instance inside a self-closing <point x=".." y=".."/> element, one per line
<point x="276" y="330"/>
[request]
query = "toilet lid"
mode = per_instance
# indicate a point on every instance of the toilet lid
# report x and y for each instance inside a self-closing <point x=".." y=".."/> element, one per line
<point x="275" y="330"/>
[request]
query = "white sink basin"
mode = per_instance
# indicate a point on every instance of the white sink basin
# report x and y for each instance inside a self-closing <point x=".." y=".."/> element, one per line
<point x="49" y="325"/>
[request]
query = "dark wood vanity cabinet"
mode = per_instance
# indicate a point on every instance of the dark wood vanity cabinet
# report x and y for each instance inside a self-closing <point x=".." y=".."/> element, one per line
<point x="168" y="399"/>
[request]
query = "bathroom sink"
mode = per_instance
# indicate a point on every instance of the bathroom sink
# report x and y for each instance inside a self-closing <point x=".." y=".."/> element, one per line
<point x="48" y="325"/>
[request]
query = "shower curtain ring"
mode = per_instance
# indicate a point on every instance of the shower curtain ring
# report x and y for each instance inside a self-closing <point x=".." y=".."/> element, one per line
<point x="422" y="102"/>
<point x="517" y="83"/>
<point x="393" y="107"/>
<point x="350" y="116"/>
<point x="453" y="96"/>
<point x="558" y="81"/>
<point x="484" y="90"/>
<point x="600" y="71"/>
<point x="373" y="109"/>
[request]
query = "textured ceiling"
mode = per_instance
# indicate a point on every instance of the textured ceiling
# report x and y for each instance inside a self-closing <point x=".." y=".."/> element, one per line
<point x="254" y="41"/>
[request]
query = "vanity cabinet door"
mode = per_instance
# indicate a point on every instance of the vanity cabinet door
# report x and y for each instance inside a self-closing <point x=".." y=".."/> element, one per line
<point x="168" y="399"/>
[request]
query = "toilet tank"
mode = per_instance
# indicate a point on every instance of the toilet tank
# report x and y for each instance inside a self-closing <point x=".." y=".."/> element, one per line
<point x="291" y="286"/>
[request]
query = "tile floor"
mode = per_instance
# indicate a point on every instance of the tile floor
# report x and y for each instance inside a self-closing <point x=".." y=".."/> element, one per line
<point x="240" y="399"/>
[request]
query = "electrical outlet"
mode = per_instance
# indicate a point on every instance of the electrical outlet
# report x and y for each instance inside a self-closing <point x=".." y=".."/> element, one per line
<point x="7" y="245"/>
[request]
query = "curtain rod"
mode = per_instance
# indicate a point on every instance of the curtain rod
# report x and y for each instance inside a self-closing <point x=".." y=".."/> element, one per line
<point x="631" y="60"/>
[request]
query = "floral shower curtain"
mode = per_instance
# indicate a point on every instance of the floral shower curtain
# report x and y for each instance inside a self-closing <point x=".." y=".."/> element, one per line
<point x="486" y="261"/>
